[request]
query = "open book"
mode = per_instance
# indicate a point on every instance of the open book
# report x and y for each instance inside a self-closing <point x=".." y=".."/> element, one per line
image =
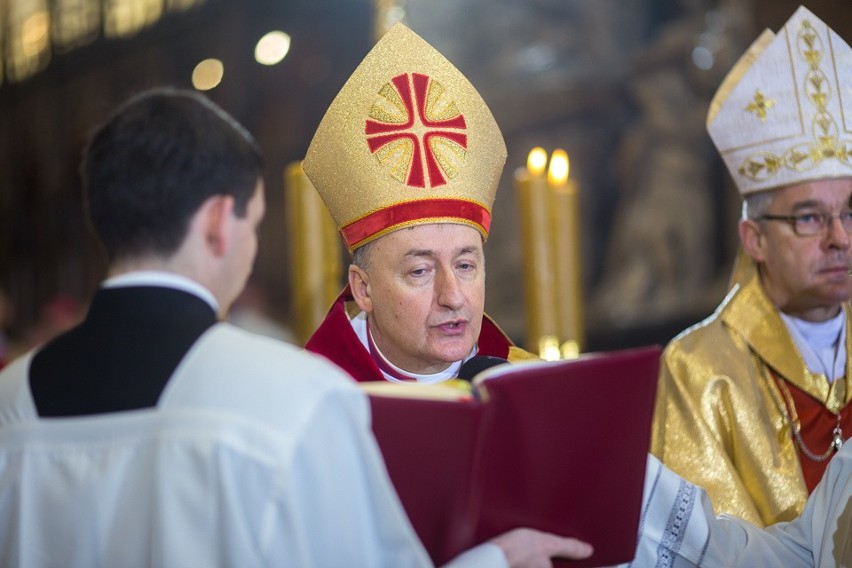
<point x="557" y="446"/>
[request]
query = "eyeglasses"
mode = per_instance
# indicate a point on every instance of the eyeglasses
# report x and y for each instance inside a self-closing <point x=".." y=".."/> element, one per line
<point x="810" y="224"/>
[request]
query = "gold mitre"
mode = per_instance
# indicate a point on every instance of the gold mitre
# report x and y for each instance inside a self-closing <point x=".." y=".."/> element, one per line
<point x="783" y="115"/>
<point x="407" y="141"/>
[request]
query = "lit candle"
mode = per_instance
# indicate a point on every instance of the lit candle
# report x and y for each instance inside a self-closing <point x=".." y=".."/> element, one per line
<point x="532" y="189"/>
<point x="536" y="162"/>
<point x="567" y="262"/>
<point x="314" y="245"/>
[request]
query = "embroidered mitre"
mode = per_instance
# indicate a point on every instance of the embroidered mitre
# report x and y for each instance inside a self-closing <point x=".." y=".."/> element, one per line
<point x="407" y="141"/>
<point x="783" y="114"/>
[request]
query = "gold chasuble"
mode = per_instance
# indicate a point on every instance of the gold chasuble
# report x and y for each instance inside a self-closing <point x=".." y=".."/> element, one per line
<point x="722" y="421"/>
<point x="738" y="412"/>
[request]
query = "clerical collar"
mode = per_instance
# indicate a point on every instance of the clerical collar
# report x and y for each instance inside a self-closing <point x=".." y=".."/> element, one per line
<point x="821" y="344"/>
<point x="164" y="280"/>
<point x="390" y="371"/>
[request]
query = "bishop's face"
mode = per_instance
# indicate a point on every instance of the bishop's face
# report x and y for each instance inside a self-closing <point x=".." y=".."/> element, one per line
<point x="423" y="289"/>
<point x="806" y="276"/>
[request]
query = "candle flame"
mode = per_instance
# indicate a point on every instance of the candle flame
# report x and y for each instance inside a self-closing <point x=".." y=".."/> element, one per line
<point x="557" y="174"/>
<point x="548" y="348"/>
<point x="536" y="161"/>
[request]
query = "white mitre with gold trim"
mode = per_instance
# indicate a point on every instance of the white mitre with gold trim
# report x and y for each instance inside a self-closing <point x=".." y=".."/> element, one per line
<point x="783" y="114"/>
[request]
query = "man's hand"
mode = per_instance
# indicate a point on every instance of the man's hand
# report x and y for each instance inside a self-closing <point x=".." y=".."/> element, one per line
<point x="528" y="548"/>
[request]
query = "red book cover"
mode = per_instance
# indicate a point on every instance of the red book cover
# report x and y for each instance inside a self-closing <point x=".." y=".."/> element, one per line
<point x="558" y="446"/>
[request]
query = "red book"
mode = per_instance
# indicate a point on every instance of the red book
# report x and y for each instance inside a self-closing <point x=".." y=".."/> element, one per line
<point x="557" y="446"/>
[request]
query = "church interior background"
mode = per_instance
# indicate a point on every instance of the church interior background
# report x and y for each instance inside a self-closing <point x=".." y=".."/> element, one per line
<point x="622" y="85"/>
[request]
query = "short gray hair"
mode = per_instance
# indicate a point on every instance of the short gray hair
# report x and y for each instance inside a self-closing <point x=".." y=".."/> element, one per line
<point x="756" y="205"/>
<point x="361" y="255"/>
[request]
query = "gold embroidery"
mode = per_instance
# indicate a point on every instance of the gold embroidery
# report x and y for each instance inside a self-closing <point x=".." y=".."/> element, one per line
<point x="398" y="154"/>
<point x="450" y="156"/>
<point x="760" y="105"/>
<point x="439" y="107"/>
<point x="817" y="90"/>
<point x="389" y="108"/>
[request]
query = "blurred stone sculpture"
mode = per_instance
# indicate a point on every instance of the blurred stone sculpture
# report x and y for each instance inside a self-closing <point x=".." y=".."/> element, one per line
<point x="663" y="252"/>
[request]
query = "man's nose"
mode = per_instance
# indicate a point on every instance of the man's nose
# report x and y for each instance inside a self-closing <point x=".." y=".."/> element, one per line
<point x="837" y="237"/>
<point x="449" y="292"/>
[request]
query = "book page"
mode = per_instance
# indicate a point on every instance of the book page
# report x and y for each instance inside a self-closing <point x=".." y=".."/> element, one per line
<point x="453" y="389"/>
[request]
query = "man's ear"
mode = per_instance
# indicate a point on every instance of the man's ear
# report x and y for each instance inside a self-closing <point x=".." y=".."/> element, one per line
<point x="215" y="220"/>
<point x="359" y="284"/>
<point x="752" y="239"/>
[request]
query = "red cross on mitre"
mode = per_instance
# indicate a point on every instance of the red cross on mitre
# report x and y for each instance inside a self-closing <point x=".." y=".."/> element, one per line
<point x="416" y="131"/>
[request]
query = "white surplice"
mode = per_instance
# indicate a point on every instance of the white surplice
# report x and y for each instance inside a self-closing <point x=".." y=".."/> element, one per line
<point x="679" y="528"/>
<point x="257" y="454"/>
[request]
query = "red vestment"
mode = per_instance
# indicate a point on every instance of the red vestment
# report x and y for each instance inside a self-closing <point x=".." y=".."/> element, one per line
<point x="817" y="429"/>
<point x="336" y="340"/>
